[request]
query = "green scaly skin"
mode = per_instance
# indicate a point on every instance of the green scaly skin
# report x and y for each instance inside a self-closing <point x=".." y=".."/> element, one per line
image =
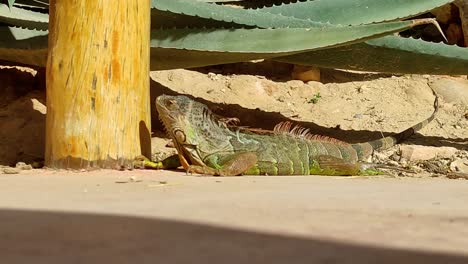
<point x="206" y="145"/>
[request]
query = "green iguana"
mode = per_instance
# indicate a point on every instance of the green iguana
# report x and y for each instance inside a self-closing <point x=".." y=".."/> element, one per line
<point x="207" y="145"/>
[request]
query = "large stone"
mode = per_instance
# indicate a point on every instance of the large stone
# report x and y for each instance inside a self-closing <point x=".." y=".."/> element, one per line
<point x="451" y="90"/>
<point x="443" y="14"/>
<point x="454" y="34"/>
<point x="463" y="10"/>
<point x="419" y="153"/>
<point x="306" y="73"/>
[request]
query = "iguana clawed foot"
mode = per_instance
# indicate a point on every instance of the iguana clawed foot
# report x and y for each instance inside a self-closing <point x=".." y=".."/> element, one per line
<point x="203" y="170"/>
<point x="142" y="162"/>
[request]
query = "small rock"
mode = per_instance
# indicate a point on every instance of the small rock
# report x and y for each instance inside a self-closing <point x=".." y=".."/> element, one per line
<point x="11" y="170"/>
<point x="38" y="106"/>
<point x="213" y="76"/>
<point x="403" y="162"/>
<point x="362" y="88"/>
<point x="463" y="10"/>
<point x="305" y="73"/>
<point x="393" y="163"/>
<point x="434" y="166"/>
<point x="445" y="152"/>
<point x="419" y="153"/>
<point x="280" y="99"/>
<point x="459" y="165"/>
<point x="23" y="166"/>
<point x="452" y="90"/>
<point x="37" y="164"/>
<point x="357" y="116"/>
<point x="379" y="157"/>
<point x="294" y="84"/>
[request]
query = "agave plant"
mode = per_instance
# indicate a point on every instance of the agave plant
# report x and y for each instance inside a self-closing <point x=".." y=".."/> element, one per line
<point x="346" y="34"/>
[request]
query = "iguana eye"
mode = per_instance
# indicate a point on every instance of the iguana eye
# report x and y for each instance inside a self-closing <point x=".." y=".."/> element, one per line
<point x="169" y="103"/>
<point x="179" y="135"/>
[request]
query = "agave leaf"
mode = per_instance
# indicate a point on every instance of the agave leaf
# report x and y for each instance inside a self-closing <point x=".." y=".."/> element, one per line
<point x="348" y="12"/>
<point x="42" y="3"/>
<point x="263" y="43"/>
<point x="438" y="54"/>
<point x="389" y="54"/>
<point x="220" y="1"/>
<point x="177" y="54"/>
<point x="23" y="46"/>
<point x="278" y="40"/>
<point x="20" y="17"/>
<point x="185" y="48"/>
<point x="250" y="3"/>
<point x="190" y="13"/>
<point x="32" y="3"/>
<point x="10" y="3"/>
<point x="166" y="59"/>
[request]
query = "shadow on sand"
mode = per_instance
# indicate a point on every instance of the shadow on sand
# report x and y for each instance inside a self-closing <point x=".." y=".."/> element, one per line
<point x="267" y="120"/>
<point x="59" y="237"/>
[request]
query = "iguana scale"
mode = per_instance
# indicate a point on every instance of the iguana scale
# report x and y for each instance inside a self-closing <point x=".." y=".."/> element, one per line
<point x="207" y="145"/>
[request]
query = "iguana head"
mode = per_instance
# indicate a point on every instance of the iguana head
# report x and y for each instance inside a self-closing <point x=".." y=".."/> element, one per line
<point x="195" y="130"/>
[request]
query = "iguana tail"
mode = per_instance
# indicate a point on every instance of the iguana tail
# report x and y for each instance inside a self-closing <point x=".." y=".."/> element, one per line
<point x="364" y="150"/>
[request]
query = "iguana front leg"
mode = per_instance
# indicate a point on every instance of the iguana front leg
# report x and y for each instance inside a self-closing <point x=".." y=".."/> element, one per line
<point x="238" y="164"/>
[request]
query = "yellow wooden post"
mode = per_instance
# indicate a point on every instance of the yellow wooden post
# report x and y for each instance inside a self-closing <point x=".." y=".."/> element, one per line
<point x="98" y="109"/>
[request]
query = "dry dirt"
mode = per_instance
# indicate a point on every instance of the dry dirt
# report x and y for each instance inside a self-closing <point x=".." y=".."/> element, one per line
<point x="349" y="106"/>
<point x="145" y="216"/>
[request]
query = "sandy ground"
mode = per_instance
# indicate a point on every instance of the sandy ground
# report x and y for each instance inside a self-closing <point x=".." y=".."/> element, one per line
<point x="169" y="217"/>
<point x="354" y="107"/>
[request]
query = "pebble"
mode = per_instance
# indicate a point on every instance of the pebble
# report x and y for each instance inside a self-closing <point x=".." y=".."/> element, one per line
<point x="459" y="165"/>
<point x="23" y="166"/>
<point x="10" y="170"/>
<point x="393" y="163"/>
<point x="213" y="76"/>
<point x="419" y="153"/>
<point x="294" y="84"/>
<point x="357" y="116"/>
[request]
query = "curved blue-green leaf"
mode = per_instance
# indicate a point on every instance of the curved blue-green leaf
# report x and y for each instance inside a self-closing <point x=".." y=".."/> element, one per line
<point x="23" y="46"/>
<point x="43" y="4"/>
<point x="20" y="17"/>
<point x="355" y="12"/>
<point x="185" y="48"/>
<point x="208" y="14"/>
<point x="278" y="40"/>
<point x="10" y="3"/>
<point x="391" y="55"/>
